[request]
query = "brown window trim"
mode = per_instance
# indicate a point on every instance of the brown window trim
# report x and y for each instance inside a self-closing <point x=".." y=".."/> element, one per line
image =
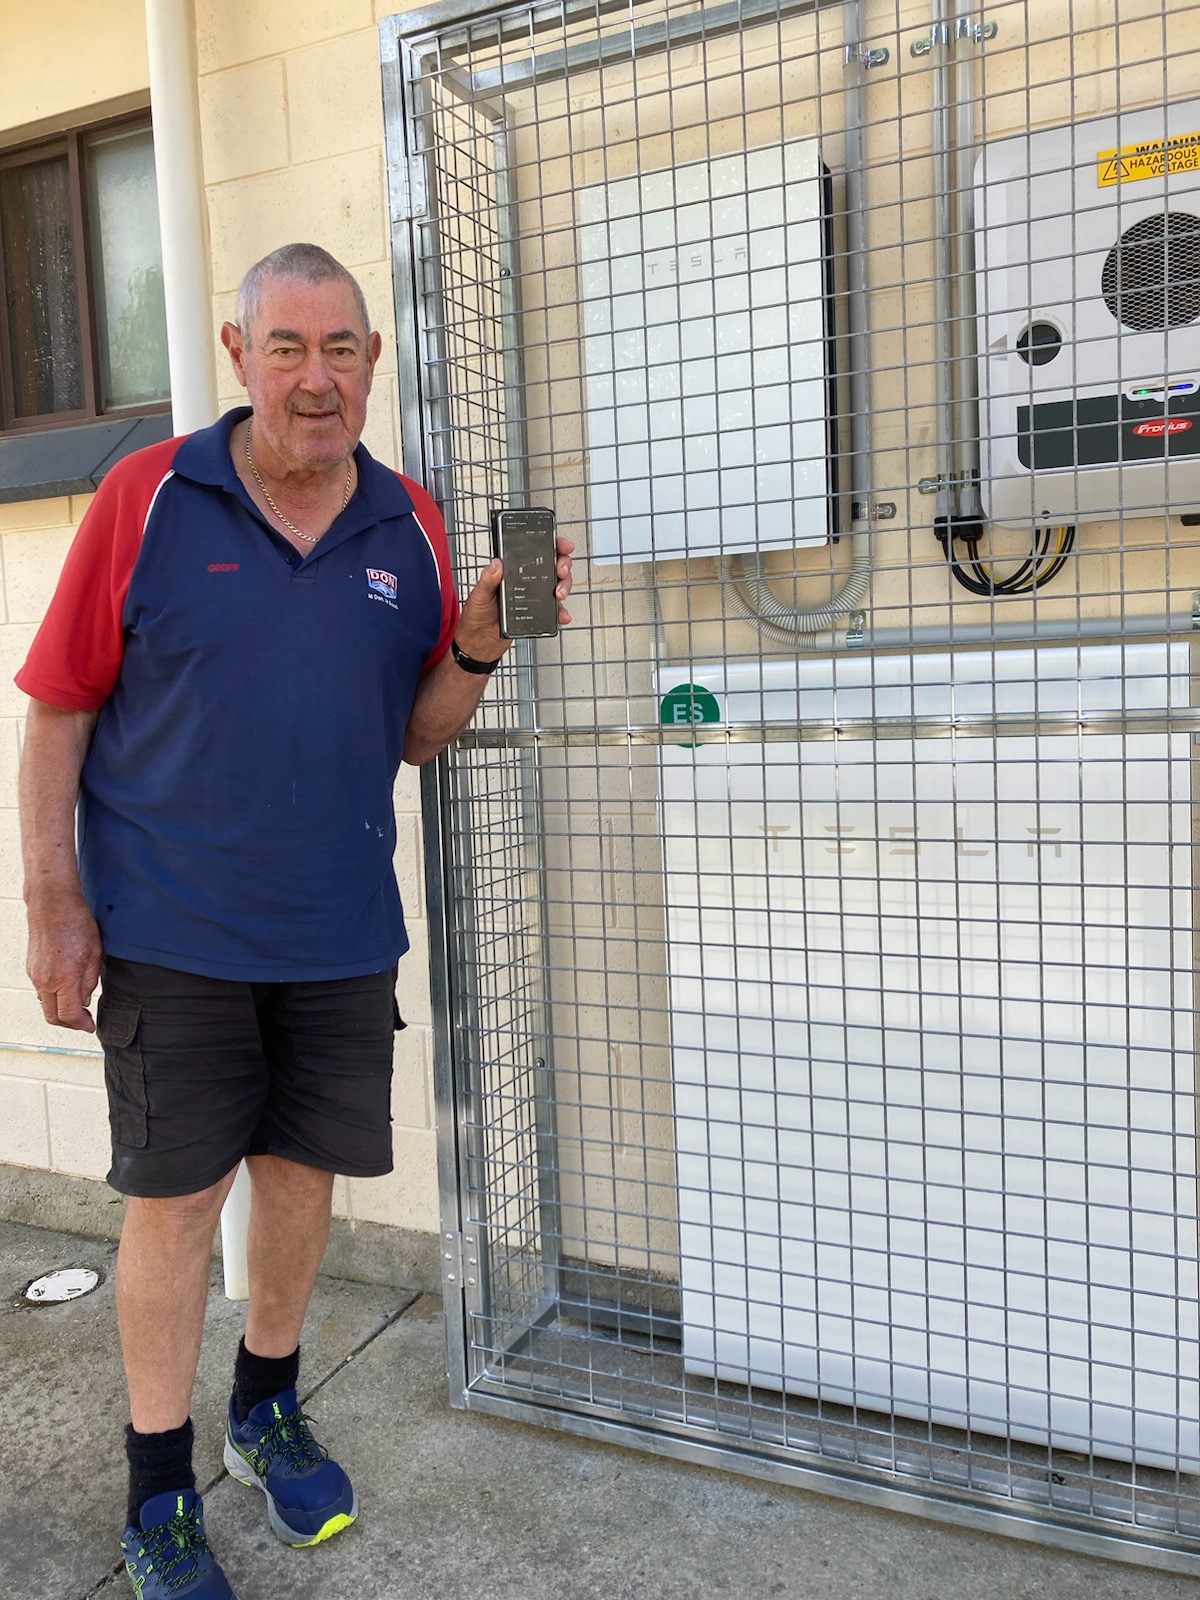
<point x="69" y="140"/>
<point x="52" y="421"/>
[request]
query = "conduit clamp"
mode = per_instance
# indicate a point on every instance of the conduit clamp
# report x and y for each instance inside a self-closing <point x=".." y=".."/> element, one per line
<point x="867" y="57"/>
<point x="872" y="510"/>
<point x="943" y="33"/>
<point x="948" y="480"/>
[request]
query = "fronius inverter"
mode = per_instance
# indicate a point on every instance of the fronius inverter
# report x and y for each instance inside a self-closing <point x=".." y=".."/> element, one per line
<point x="1088" y="250"/>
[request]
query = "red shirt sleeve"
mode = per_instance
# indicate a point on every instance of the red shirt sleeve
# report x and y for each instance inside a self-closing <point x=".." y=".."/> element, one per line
<point x="434" y="528"/>
<point x="76" y="654"/>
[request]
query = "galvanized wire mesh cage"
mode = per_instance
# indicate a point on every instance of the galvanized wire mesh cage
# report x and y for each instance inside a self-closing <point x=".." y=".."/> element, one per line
<point x="815" y="918"/>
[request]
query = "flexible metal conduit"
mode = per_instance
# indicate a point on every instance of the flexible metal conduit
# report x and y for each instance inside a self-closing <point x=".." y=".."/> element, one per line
<point x="747" y="590"/>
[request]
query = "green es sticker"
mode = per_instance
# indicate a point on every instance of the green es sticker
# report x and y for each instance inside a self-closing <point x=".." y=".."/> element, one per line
<point x="687" y="705"/>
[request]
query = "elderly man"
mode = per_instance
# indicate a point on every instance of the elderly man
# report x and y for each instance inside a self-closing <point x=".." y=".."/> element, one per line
<point x="255" y="625"/>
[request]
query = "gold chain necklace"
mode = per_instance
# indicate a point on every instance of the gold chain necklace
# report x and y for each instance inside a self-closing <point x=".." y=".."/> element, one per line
<point x="309" y="538"/>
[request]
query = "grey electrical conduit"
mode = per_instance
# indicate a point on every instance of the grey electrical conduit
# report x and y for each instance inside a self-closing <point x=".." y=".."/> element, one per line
<point x="744" y="581"/>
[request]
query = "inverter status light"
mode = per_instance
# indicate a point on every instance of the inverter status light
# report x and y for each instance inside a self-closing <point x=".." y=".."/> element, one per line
<point x="1170" y="388"/>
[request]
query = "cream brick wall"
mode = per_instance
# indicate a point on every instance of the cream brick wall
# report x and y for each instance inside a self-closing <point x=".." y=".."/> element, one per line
<point x="68" y="57"/>
<point x="49" y="1080"/>
<point x="292" y="131"/>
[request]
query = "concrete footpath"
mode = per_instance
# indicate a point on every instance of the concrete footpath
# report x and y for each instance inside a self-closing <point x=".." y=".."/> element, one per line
<point x="453" y="1506"/>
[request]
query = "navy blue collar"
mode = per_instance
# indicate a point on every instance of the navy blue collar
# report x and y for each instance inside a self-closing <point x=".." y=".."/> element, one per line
<point x="204" y="457"/>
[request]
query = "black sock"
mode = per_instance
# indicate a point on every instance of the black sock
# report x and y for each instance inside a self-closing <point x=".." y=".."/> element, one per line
<point x="158" y="1462"/>
<point x="258" y="1378"/>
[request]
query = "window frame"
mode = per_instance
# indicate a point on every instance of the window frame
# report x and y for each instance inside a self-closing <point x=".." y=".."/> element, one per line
<point x="71" y="141"/>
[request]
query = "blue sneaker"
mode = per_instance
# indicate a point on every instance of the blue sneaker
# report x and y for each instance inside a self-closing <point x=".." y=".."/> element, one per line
<point x="168" y="1557"/>
<point x="309" y="1497"/>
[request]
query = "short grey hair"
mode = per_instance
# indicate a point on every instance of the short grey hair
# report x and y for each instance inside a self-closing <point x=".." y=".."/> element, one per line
<point x="302" y="263"/>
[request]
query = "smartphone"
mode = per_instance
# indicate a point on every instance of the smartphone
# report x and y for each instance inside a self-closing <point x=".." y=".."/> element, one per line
<point x="524" y="541"/>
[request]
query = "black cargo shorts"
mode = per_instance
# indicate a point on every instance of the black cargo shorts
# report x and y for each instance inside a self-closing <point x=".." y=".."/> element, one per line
<point x="201" y="1072"/>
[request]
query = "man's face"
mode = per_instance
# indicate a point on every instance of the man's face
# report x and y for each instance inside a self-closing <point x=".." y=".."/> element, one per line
<point x="307" y="365"/>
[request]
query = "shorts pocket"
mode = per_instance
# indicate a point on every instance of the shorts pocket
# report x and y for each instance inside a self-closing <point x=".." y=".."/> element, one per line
<point x="119" y="1030"/>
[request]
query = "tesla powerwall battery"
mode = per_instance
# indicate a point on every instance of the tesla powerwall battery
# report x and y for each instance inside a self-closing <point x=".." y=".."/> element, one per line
<point x="932" y="1047"/>
<point x="706" y="357"/>
<point x="1088" y="251"/>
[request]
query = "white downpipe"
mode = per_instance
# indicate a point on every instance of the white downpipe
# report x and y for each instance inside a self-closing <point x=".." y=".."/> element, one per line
<point x="182" y="211"/>
<point x="235" y="1225"/>
<point x="183" y="224"/>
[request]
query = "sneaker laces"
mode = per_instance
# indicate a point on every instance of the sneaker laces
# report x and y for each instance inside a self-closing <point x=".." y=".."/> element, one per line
<point x="290" y="1438"/>
<point x="177" y="1547"/>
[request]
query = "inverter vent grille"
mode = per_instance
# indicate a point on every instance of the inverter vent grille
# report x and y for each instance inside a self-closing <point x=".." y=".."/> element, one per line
<point x="1151" y="275"/>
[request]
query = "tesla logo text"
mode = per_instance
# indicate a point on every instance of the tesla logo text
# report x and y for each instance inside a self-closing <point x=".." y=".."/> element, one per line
<point x="224" y="566"/>
<point x="1155" y="430"/>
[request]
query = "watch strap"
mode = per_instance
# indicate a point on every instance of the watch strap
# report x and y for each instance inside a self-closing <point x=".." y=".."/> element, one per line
<point x="469" y="663"/>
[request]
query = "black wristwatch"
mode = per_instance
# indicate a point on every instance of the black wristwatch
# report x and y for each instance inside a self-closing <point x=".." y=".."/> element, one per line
<point x="469" y="663"/>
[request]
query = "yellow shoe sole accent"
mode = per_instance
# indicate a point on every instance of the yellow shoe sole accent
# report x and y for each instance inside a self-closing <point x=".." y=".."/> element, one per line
<point x="334" y="1525"/>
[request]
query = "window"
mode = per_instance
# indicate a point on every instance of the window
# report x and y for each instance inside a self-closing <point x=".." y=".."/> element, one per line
<point x="83" y="335"/>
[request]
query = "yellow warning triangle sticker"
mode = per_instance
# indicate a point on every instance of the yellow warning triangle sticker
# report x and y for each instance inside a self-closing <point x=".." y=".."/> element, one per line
<point x="1137" y="163"/>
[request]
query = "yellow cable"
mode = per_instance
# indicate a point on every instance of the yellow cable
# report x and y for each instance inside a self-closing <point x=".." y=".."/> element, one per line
<point x="1043" y="561"/>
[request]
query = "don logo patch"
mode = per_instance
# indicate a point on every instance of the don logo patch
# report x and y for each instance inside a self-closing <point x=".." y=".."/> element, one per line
<point x="382" y="585"/>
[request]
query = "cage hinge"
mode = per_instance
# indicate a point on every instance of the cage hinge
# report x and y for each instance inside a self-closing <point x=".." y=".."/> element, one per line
<point x="460" y="1259"/>
<point x="943" y="34"/>
<point x="409" y="187"/>
<point x="865" y="56"/>
<point x="452" y="1258"/>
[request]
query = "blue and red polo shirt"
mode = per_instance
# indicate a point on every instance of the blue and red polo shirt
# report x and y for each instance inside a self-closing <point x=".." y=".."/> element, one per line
<point x="236" y="802"/>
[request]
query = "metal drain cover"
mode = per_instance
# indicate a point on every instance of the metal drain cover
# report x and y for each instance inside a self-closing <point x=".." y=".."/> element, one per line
<point x="64" y="1283"/>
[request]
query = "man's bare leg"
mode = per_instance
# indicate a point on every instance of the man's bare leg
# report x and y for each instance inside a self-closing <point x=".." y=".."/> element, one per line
<point x="162" y="1287"/>
<point x="290" y="1210"/>
<point x="309" y="1496"/>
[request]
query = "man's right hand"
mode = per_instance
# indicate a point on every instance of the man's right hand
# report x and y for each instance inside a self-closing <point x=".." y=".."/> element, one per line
<point x="64" y="960"/>
<point x="64" y="941"/>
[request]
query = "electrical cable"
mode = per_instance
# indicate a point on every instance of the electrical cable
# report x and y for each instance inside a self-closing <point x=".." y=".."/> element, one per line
<point x="1027" y="577"/>
<point x="979" y="577"/>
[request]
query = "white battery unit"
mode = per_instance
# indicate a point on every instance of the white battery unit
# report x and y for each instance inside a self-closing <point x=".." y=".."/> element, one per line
<point x="706" y="353"/>
<point x="1088" y="253"/>
<point x="932" y="1046"/>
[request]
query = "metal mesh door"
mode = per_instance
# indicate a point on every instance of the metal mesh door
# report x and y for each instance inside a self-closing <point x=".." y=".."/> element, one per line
<point x="814" y="921"/>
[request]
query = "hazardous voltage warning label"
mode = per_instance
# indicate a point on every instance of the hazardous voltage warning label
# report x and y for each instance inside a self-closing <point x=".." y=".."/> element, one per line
<point x="1133" y="162"/>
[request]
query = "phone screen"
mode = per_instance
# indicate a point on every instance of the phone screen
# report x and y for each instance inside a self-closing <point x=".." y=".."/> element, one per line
<point x="524" y="541"/>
